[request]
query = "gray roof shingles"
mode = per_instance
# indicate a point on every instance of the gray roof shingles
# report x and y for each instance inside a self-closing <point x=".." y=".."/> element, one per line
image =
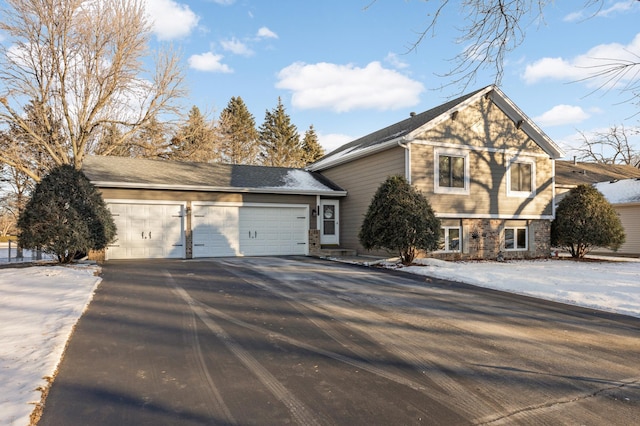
<point x="569" y="173"/>
<point x="400" y="128"/>
<point x="124" y="171"/>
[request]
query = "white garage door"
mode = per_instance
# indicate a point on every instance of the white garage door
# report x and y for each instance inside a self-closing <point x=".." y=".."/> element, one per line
<point x="147" y="231"/>
<point x="249" y="230"/>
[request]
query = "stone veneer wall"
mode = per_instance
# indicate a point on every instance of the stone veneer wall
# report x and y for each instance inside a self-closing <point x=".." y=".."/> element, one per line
<point x="314" y="242"/>
<point x="484" y="239"/>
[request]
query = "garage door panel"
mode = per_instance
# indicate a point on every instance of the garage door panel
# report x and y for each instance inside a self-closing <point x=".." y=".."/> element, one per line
<point x="147" y="231"/>
<point x="215" y="231"/>
<point x="249" y="231"/>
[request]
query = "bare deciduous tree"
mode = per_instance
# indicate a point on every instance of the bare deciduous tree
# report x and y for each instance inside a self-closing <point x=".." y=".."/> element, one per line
<point x="612" y="147"/>
<point x="84" y="61"/>
<point x="493" y="28"/>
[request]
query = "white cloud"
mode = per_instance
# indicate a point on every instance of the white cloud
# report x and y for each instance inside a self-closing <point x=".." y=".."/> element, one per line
<point x="332" y="141"/>
<point x="236" y="47"/>
<point x="208" y="62"/>
<point x="265" y="32"/>
<point x="394" y="61"/>
<point x="344" y="88"/>
<point x="587" y="65"/>
<point x="619" y="7"/>
<point x="170" y="19"/>
<point x="561" y="115"/>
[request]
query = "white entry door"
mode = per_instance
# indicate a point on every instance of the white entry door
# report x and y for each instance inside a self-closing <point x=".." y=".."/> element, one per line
<point x="329" y="222"/>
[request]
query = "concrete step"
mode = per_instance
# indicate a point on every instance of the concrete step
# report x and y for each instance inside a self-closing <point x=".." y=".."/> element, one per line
<point x="337" y="252"/>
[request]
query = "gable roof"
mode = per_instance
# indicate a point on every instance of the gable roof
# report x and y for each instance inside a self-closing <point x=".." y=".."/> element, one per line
<point x="570" y="173"/>
<point x="125" y="172"/>
<point x="404" y="131"/>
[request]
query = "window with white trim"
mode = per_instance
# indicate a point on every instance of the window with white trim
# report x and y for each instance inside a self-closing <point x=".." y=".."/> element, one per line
<point x="450" y="239"/>
<point x="521" y="178"/>
<point x="516" y="238"/>
<point x="451" y="172"/>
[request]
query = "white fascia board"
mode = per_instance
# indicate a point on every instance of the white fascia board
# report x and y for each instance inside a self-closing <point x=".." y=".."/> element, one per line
<point x="626" y="204"/>
<point x="447" y="114"/>
<point x="493" y="216"/>
<point x="287" y="191"/>
<point x="528" y="126"/>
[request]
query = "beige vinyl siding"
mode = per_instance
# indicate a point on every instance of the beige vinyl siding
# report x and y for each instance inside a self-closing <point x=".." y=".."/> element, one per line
<point x="203" y="196"/>
<point x="167" y="195"/>
<point x="491" y="140"/>
<point x="630" y="218"/>
<point x="362" y="178"/>
<point x="482" y="125"/>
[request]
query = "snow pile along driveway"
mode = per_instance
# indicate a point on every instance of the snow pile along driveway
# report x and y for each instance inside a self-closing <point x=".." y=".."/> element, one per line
<point x="39" y="306"/>
<point x="612" y="286"/>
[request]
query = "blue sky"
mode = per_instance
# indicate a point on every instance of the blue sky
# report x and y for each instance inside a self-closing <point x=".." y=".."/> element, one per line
<point x="345" y="66"/>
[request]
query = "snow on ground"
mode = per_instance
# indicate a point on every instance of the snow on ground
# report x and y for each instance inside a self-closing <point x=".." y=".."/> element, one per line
<point x="610" y="284"/>
<point x="39" y="306"/>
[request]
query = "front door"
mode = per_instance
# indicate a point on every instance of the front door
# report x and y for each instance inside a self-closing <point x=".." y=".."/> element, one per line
<point x="329" y="225"/>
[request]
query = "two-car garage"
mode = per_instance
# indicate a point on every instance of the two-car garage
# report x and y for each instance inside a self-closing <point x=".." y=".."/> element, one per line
<point x="183" y="210"/>
<point x="159" y="229"/>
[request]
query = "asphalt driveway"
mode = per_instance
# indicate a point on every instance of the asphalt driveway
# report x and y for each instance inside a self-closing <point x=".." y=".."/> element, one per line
<point x="274" y="341"/>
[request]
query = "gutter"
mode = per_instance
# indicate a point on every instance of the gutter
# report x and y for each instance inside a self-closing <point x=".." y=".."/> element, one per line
<point x="266" y="190"/>
<point x="356" y="154"/>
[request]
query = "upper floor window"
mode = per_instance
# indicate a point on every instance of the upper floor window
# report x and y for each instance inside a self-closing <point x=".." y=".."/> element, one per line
<point x="451" y="172"/>
<point x="520" y="178"/>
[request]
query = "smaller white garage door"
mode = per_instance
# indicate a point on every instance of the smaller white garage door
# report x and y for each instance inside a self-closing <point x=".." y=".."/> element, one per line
<point x="147" y="231"/>
<point x="255" y="230"/>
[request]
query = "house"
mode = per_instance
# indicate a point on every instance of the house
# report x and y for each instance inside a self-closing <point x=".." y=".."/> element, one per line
<point x="166" y="209"/>
<point x="620" y="185"/>
<point x="570" y="174"/>
<point x="624" y="195"/>
<point x="485" y="167"/>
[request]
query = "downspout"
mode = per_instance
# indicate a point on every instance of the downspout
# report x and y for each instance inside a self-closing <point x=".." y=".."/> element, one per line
<point x="403" y="143"/>
<point x="553" y="188"/>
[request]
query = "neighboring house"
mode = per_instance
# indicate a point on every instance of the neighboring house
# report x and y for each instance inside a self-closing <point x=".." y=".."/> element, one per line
<point x="485" y="167"/>
<point x="570" y="174"/>
<point x="166" y="209"/>
<point x="624" y="195"/>
<point x="620" y="185"/>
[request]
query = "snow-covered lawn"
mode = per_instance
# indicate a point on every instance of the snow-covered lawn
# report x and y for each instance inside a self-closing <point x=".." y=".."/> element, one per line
<point x="610" y="285"/>
<point x="39" y="306"/>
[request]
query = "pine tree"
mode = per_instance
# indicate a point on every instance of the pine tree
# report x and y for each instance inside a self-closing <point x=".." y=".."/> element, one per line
<point x="66" y="216"/>
<point x="195" y="140"/>
<point x="238" y="135"/>
<point x="584" y="220"/>
<point x="313" y="151"/>
<point x="401" y="220"/>
<point x="279" y="140"/>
